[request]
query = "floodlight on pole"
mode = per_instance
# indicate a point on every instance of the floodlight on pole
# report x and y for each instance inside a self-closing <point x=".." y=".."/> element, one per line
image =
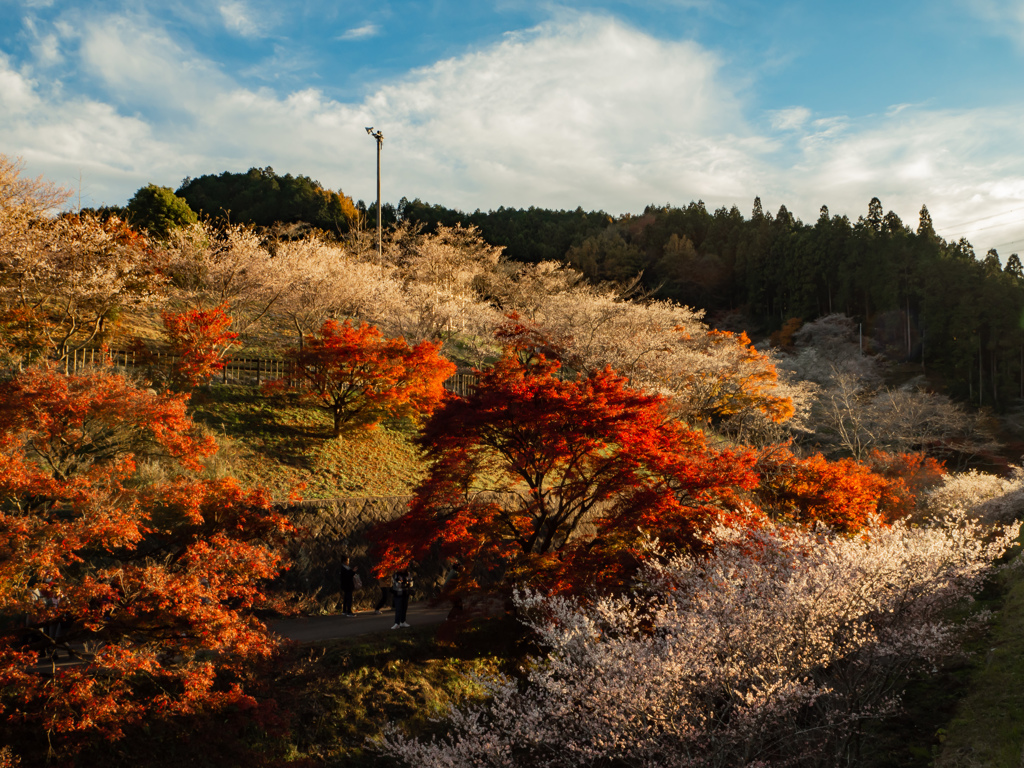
<point x="379" y="136"/>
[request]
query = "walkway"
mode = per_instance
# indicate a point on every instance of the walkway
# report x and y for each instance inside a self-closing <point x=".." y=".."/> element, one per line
<point x="310" y="629"/>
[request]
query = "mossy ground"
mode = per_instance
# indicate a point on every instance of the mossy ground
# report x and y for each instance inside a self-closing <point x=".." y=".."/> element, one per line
<point x="333" y="701"/>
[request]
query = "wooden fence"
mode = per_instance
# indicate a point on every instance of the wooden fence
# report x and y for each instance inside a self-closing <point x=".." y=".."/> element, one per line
<point x="237" y="371"/>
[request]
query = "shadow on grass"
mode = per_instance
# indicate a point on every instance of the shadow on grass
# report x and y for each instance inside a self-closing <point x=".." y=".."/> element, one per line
<point x="915" y="737"/>
<point x="278" y="428"/>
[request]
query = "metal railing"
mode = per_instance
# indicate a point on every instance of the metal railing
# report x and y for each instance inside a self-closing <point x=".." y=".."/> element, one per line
<point x="237" y="371"/>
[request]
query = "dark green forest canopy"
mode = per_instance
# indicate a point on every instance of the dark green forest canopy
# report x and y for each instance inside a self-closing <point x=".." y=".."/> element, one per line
<point x="263" y="198"/>
<point x="917" y="297"/>
<point x="529" y="234"/>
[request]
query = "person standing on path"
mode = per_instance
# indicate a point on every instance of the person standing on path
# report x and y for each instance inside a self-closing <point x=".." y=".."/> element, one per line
<point x="349" y="577"/>
<point x="401" y="587"/>
<point x="384" y="582"/>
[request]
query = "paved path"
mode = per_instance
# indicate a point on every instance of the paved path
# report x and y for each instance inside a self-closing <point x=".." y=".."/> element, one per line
<point x="313" y="628"/>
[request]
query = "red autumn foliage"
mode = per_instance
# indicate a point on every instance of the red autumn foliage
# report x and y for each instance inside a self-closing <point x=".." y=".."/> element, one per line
<point x="361" y="378"/>
<point x="843" y="494"/>
<point x="150" y="586"/>
<point x="199" y="339"/>
<point x="552" y="482"/>
<point x="528" y="341"/>
<point x="910" y="474"/>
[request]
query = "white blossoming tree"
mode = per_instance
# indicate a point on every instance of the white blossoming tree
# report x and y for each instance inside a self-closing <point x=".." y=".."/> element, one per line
<point x="773" y="651"/>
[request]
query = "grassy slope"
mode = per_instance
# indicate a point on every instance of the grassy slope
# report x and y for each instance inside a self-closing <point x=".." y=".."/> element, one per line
<point x="346" y="693"/>
<point x="987" y="730"/>
<point x="281" y="443"/>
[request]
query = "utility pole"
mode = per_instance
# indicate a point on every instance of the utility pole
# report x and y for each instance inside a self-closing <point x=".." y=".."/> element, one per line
<point x="379" y="136"/>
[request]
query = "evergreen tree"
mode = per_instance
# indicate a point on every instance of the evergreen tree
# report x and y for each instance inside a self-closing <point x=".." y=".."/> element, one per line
<point x="262" y="197"/>
<point x="158" y="210"/>
<point x="1013" y="267"/>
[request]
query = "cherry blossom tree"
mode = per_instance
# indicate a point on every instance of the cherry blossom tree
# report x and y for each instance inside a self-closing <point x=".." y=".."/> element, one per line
<point x="991" y="497"/>
<point x="74" y="275"/>
<point x="228" y="267"/>
<point x="442" y="274"/>
<point x="772" y="650"/>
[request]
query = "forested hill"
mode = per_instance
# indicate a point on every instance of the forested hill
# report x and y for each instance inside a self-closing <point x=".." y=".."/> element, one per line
<point x="264" y="198"/>
<point x="919" y="298"/>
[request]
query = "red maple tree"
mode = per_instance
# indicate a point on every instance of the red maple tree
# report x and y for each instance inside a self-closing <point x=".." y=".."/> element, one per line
<point x="527" y="340"/>
<point x="149" y="587"/>
<point x="362" y="378"/>
<point x="844" y="494"/>
<point x="554" y="482"/>
<point x="199" y="339"/>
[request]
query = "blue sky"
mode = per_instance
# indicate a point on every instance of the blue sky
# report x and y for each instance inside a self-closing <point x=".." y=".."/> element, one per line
<point x="606" y="105"/>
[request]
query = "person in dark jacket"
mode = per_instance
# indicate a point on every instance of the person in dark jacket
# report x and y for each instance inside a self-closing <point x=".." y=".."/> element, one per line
<point x="401" y="587"/>
<point x="385" y="593"/>
<point x="348" y="585"/>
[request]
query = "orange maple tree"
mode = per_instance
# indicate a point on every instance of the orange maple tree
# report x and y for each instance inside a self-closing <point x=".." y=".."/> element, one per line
<point x="148" y="588"/>
<point x="844" y="494"/>
<point x="744" y="383"/>
<point x="199" y="339"/>
<point x="554" y="482"/>
<point x="362" y="378"/>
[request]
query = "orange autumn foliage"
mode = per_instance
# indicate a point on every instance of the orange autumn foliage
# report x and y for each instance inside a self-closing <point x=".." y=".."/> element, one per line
<point x="843" y="494"/>
<point x="199" y="339"/>
<point x="745" y="382"/>
<point x="361" y="378"/>
<point x="151" y="586"/>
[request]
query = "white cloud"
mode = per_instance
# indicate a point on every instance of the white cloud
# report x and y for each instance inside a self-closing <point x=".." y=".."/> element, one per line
<point x="585" y="110"/>
<point x="955" y="162"/>
<point x="240" y="19"/>
<point x="45" y="46"/>
<point x="17" y="96"/>
<point x="1005" y="17"/>
<point x="791" y="119"/>
<point x="590" y="112"/>
<point x="143" y="66"/>
<point x="360" y="33"/>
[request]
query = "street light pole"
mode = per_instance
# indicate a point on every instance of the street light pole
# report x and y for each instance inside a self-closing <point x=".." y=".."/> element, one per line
<point x="379" y="136"/>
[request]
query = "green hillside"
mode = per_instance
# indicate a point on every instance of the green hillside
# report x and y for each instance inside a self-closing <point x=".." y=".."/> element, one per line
<point x="285" y="445"/>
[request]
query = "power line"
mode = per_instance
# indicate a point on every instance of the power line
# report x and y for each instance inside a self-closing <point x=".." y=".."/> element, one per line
<point x="1004" y="245"/>
<point x="983" y="218"/>
<point x="991" y="226"/>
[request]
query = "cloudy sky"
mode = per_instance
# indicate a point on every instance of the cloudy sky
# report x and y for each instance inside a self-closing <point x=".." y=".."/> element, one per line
<point x="608" y="104"/>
